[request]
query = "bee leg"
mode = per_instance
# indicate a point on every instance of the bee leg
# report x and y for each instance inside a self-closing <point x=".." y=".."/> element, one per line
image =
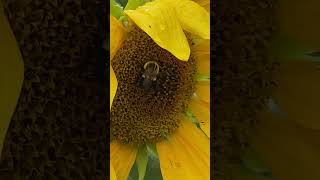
<point x="157" y="86"/>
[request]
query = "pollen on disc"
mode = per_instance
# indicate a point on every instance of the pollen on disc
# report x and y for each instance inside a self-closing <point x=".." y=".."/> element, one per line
<point x="140" y="116"/>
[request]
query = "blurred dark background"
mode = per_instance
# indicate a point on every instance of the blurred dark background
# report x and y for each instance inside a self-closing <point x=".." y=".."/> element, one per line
<point x="241" y="33"/>
<point x="59" y="129"/>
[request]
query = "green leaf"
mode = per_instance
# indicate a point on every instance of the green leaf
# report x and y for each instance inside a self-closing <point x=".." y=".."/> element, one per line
<point x="288" y="48"/>
<point x="133" y="4"/>
<point x="142" y="161"/>
<point x="116" y="9"/>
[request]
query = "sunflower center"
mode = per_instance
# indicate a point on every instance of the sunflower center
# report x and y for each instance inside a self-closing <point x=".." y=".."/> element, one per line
<point x="154" y="88"/>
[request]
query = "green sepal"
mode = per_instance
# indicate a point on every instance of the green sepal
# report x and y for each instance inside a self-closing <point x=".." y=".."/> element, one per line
<point x="124" y="20"/>
<point x="203" y="77"/>
<point x="188" y="112"/>
<point x="313" y="56"/>
<point x="122" y="2"/>
<point x="134" y="4"/>
<point x="192" y="117"/>
<point x="153" y="171"/>
<point x="166" y="137"/>
<point x="288" y="48"/>
<point x="152" y="150"/>
<point x="116" y="9"/>
<point x="142" y="161"/>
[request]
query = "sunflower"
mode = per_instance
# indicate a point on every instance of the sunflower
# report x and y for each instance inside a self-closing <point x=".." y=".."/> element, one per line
<point x="160" y="88"/>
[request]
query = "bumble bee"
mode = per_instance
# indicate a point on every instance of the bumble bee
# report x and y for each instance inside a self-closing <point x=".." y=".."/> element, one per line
<point x="151" y="70"/>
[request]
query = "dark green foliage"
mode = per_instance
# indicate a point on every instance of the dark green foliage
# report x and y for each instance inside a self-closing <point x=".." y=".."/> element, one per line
<point x="59" y="129"/>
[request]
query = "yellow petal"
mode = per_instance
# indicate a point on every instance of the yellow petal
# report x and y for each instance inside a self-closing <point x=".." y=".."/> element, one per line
<point x="201" y="110"/>
<point x="192" y="17"/>
<point x="203" y="91"/>
<point x="204" y="3"/>
<point x="202" y="55"/>
<point x="11" y="75"/>
<point x="113" y="175"/>
<point x="113" y="85"/>
<point x="160" y="22"/>
<point x="117" y="35"/>
<point x="187" y="155"/>
<point x="122" y="158"/>
<point x="291" y="151"/>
